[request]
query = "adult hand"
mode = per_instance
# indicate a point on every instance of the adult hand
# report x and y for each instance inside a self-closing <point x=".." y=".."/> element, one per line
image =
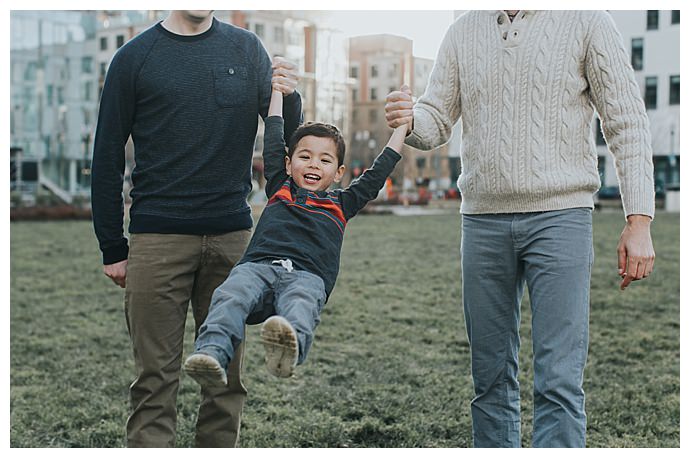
<point x="399" y="108"/>
<point x="117" y="272"/>
<point x="285" y="75"/>
<point x="635" y="250"/>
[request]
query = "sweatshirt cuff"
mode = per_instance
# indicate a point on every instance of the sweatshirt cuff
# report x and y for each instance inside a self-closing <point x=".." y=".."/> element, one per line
<point x="391" y="153"/>
<point x="274" y="120"/>
<point x="292" y="98"/>
<point x="273" y="128"/>
<point x="116" y="253"/>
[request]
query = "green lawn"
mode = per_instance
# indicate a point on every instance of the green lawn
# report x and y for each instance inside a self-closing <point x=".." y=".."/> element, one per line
<point x="390" y="364"/>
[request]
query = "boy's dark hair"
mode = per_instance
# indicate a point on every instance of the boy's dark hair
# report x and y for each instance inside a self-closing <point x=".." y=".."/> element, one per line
<point x="319" y="129"/>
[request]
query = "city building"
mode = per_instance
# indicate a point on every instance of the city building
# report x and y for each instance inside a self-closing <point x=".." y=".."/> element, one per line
<point x="59" y="60"/>
<point x="652" y="38"/>
<point x="53" y="96"/>
<point x="380" y="64"/>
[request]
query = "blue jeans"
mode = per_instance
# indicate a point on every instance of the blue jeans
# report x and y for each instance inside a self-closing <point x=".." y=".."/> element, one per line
<point x="254" y="292"/>
<point x="551" y="252"/>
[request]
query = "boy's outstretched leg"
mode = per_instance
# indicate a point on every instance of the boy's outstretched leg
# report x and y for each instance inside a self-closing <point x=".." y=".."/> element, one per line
<point x="206" y="370"/>
<point x="243" y="293"/>
<point x="282" y="349"/>
<point x="299" y="298"/>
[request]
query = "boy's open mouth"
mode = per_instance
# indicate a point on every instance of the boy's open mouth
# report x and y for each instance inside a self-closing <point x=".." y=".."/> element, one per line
<point x="311" y="178"/>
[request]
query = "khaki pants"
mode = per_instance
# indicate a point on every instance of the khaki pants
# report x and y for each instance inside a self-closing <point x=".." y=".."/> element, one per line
<point x="164" y="273"/>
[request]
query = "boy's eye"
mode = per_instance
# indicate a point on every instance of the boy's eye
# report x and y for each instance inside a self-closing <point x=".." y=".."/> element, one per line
<point x="326" y="160"/>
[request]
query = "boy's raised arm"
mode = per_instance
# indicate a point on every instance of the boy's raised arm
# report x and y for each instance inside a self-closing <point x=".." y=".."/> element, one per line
<point x="274" y="144"/>
<point x="367" y="186"/>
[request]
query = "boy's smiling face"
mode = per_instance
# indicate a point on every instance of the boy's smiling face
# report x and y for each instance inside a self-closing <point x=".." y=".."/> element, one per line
<point x="314" y="163"/>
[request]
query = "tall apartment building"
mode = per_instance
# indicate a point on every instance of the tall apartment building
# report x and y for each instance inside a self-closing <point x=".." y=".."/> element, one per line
<point x="380" y="64"/>
<point x="53" y="95"/>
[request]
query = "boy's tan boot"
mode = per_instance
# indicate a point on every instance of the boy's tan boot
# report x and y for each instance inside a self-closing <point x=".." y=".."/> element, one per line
<point x="280" y="342"/>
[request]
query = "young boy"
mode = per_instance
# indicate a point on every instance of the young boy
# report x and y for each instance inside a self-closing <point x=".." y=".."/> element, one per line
<point x="291" y="263"/>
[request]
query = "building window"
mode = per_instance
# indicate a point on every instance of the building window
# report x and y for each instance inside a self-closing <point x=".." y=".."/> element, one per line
<point x="102" y="68"/>
<point x="30" y="71"/>
<point x="373" y="115"/>
<point x="637" y="53"/>
<point x="421" y="164"/>
<point x="666" y="171"/>
<point x="599" y="135"/>
<point x="87" y="90"/>
<point x="49" y="95"/>
<point x="374" y="71"/>
<point x="601" y="166"/>
<point x="354" y="72"/>
<point x="674" y="90"/>
<point x="373" y="94"/>
<point x="86" y="64"/>
<point x="294" y="39"/>
<point x="652" y="19"/>
<point x="120" y="40"/>
<point x="259" y="30"/>
<point x="650" y="84"/>
<point x="675" y="17"/>
<point x="278" y="34"/>
<point x="104" y="43"/>
<point x="355" y="95"/>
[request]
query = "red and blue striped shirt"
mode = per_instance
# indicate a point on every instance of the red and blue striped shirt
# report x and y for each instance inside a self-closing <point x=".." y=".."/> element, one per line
<point x="305" y="226"/>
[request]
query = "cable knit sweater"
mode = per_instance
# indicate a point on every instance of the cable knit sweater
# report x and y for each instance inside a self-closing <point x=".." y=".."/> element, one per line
<point x="526" y="92"/>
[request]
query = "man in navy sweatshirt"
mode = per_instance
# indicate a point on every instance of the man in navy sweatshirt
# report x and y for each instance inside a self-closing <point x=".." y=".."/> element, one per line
<point x="189" y="91"/>
<point x="290" y="267"/>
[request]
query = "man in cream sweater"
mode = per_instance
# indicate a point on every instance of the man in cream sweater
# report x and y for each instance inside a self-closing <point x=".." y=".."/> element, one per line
<point x="526" y="84"/>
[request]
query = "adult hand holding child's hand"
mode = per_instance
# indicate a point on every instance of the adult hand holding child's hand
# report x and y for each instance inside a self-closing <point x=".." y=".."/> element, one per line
<point x="285" y="76"/>
<point x="399" y="108"/>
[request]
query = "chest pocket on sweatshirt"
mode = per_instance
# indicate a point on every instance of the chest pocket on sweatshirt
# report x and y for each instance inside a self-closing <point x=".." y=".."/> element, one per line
<point x="231" y="85"/>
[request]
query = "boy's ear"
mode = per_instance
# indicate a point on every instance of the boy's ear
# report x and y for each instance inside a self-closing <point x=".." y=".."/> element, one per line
<point x="288" y="166"/>
<point x="339" y="173"/>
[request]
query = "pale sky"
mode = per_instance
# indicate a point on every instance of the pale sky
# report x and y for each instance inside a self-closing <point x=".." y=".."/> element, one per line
<point x="424" y="28"/>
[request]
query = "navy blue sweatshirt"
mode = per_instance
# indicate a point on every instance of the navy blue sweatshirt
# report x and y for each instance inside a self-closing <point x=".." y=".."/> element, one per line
<point x="305" y="226"/>
<point x="191" y="105"/>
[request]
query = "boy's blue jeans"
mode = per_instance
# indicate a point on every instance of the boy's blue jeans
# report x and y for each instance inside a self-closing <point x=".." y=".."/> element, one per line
<point x="551" y="252"/>
<point x="252" y="293"/>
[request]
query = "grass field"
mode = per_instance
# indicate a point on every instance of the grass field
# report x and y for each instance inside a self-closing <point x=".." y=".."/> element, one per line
<point x="390" y="364"/>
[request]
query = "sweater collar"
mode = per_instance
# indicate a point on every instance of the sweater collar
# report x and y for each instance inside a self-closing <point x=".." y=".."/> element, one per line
<point x="519" y="14"/>
<point x="200" y="36"/>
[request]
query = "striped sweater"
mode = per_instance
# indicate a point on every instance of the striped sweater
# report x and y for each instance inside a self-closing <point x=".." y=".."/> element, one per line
<point x="304" y="226"/>
<point x="526" y="92"/>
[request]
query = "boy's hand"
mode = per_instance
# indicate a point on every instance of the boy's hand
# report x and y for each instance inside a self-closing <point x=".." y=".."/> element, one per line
<point x="117" y="273"/>
<point x="285" y="76"/>
<point x="401" y="120"/>
<point x="399" y="108"/>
